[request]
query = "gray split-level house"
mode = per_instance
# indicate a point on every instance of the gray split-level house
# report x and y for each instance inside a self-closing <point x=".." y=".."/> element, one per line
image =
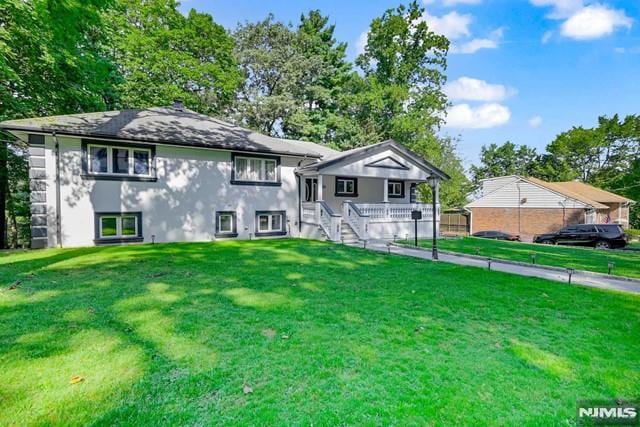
<point x="170" y="174"/>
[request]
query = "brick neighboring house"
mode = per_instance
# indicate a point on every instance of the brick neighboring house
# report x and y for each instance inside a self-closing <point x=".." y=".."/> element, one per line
<point x="530" y="206"/>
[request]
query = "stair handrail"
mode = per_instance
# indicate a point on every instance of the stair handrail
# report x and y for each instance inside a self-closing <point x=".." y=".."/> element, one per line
<point x="329" y="221"/>
<point x="358" y="221"/>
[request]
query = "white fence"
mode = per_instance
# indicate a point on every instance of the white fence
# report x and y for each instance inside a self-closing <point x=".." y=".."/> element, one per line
<point x="391" y="212"/>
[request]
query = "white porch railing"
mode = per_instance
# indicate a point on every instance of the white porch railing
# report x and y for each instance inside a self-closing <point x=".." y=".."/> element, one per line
<point x="309" y="212"/>
<point x="358" y="221"/>
<point x="392" y="212"/>
<point x="321" y="214"/>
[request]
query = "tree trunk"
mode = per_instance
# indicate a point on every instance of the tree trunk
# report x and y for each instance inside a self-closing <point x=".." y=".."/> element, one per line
<point x="4" y="188"/>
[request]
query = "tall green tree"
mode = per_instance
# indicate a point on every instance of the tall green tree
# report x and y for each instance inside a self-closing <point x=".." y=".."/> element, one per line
<point x="403" y="64"/>
<point x="600" y="154"/>
<point x="506" y="159"/>
<point x="400" y="95"/>
<point x="607" y="155"/>
<point x="293" y="78"/>
<point x="452" y="193"/>
<point x="54" y="59"/>
<point x="322" y="83"/>
<point x="163" y="55"/>
<point x="272" y="67"/>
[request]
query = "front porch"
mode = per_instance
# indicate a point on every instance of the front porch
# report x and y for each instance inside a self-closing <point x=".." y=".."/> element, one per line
<point x="364" y="221"/>
<point x="368" y="193"/>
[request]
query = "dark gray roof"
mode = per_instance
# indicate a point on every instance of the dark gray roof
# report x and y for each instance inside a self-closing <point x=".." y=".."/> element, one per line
<point x="175" y="126"/>
<point x="372" y="149"/>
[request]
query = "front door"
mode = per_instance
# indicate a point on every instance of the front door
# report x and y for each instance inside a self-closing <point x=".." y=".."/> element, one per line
<point x="310" y="189"/>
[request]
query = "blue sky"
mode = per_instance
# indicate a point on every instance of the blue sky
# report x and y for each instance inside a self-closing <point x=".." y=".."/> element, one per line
<point x="519" y="70"/>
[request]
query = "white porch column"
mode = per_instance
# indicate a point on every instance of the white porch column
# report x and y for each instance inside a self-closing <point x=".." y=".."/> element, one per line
<point x="320" y="198"/>
<point x="385" y="191"/>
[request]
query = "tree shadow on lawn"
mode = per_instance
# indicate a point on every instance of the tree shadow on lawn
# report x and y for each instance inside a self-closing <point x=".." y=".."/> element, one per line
<point x="170" y="333"/>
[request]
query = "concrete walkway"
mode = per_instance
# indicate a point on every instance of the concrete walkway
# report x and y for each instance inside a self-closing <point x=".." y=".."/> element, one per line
<point x="585" y="278"/>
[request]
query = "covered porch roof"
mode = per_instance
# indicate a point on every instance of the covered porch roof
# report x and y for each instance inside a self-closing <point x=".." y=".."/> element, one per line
<point x="384" y="160"/>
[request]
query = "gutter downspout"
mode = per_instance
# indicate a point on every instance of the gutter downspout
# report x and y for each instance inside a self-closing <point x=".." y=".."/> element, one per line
<point x="58" y="202"/>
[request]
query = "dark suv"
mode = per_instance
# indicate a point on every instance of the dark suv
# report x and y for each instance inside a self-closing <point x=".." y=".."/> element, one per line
<point x="601" y="236"/>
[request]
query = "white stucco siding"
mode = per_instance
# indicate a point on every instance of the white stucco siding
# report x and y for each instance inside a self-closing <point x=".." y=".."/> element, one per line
<point x="192" y="184"/>
<point x="526" y="195"/>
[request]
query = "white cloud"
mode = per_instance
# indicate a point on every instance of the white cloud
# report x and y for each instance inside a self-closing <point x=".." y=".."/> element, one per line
<point x="474" y="45"/>
<point x="452" y="25"/>
<point x="561" y="8"/>
<point x="470" y="89"/>
<point x="535" y="121"/>
<point x="582" y="21"/>
<point x="450" y="3"/>
<point x="593" y="22"/>
<point x="484" y="116"/>
<point x="547" y="36"/>
<point x="361" y="43"/>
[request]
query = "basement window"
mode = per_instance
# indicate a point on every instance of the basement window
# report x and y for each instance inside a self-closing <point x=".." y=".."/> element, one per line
<point x="118" y="227"/>
<point x="270" y="223"/>
<point x="226" y="224"/>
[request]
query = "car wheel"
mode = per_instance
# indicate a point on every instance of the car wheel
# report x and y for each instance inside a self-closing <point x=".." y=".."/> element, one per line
<point x="603" y="244"/>
<point x="547" y="242"/>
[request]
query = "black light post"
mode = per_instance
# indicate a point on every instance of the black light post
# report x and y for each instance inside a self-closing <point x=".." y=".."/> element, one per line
<point x="433" y="183"/>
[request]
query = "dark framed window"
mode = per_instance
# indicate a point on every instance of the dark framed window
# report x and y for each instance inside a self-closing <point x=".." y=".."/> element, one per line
<point x="346" y="187"/>
<point x="395" y="189"/>
<point x="226" y="225"/>
<point x="310" y="189"/>
<point x="271" y="223"/>
<point x="104" y="160"/>
<point x="35" y="139"/>
<point x="118" y="227"/>
<point x="255" y="170"/>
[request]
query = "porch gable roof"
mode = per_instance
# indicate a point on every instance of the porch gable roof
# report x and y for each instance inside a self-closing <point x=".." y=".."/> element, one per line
<point x="369" y="150"/>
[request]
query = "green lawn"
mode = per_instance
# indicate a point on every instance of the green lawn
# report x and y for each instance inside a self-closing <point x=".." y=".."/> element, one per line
<point x="626" y="263"/>
<point x="321" y="333"/>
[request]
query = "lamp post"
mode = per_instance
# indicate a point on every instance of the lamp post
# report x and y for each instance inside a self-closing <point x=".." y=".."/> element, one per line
<point x="433" y="183"/>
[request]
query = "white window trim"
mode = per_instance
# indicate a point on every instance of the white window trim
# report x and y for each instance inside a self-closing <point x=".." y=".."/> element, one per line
<point x="220" y="230"/>
<point x="392" y="186"/>
<point x="118" y="219"/>
<point x="344" y="182"/>
<point x="269" y="223"/>
<point x="263" y="169"/>
<point x="131" y="161"/>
